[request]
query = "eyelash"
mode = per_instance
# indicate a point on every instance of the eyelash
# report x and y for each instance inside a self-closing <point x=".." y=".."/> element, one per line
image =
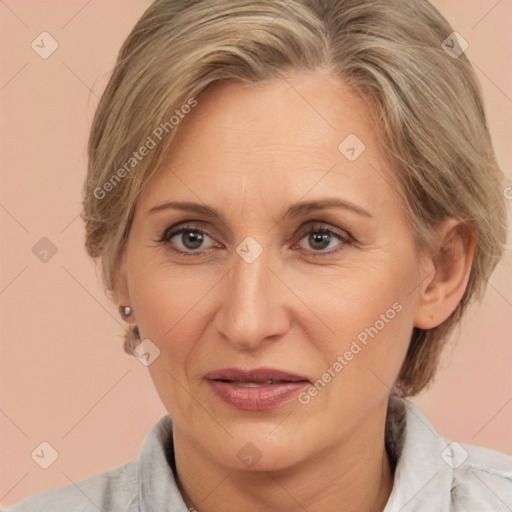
<point x="342" y="236"/>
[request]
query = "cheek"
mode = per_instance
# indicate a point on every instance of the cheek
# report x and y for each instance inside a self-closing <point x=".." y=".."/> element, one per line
<point x="161" y="292"/>
<point x="355" y="297"/>
<point x="369" y="311"/>
<point x="172" y="314"/>
<point x="171" y="306"/>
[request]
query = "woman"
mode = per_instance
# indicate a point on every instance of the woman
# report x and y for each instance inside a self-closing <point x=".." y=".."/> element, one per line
<point x="293" y="203"/>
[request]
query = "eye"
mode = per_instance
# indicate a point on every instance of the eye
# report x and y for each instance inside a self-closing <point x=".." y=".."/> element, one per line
<point x="318" y="238"/>
<point x="189" y="242"/>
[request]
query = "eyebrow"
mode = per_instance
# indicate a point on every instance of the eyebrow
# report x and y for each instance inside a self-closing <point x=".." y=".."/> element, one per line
<point x="296" y="210"/>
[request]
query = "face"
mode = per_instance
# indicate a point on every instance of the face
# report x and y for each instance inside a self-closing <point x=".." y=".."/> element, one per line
<point x="282" y="304"/>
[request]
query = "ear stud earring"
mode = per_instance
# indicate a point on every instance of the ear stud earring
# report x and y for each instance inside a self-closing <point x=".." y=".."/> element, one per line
<point x="125" y="310"/>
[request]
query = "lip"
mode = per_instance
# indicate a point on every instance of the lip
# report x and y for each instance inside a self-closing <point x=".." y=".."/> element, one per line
<point x="285" y="386"/>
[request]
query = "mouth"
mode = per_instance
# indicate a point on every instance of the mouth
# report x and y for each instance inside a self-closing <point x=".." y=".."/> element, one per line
<point x="252" y="384"/>
<point x="255" y="389"/>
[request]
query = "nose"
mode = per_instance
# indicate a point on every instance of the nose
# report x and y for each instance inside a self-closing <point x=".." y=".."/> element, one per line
<point x="253" y="308"/>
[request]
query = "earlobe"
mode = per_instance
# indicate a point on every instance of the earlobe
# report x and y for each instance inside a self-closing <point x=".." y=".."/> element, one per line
<point x="451" y="263"/>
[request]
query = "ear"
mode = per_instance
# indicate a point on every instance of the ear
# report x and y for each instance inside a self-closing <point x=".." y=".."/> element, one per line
<point x="121" y="290"/>
<point x="450" y="267"/>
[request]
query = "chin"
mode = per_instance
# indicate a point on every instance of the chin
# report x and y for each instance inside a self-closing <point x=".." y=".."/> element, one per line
<point x="257" y="453"/>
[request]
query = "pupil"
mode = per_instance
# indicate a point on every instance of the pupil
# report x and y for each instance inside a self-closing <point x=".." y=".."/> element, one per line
<point x="192" y="240"/>
<point x="320" y="238"/>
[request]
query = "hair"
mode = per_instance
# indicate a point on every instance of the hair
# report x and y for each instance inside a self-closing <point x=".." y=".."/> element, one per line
<point x="427" y="105"/>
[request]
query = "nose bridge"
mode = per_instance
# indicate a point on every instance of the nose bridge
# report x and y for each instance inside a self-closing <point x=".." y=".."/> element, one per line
<point x="251" y="311"/>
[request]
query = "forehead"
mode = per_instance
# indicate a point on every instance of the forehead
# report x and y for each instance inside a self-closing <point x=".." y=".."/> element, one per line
<point x="305" y="132"/>
<point x="303" y="111"/>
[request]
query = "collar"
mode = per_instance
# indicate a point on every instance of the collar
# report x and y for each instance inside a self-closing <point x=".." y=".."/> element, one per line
<point x="156" y="485"/>
<point x="422" y="478"/>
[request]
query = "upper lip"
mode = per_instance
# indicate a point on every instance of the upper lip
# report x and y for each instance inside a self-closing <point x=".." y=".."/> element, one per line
<point x="261" y="374"/>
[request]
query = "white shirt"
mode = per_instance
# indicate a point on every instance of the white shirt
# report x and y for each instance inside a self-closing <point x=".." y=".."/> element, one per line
<point x="431" y="475"/>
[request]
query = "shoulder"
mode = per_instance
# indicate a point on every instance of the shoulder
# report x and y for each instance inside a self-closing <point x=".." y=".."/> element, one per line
<point x="439" y="474"/>
<point x="146" y="483"/>
<point x="109" y="491"/>
<point x="480" y="476"/>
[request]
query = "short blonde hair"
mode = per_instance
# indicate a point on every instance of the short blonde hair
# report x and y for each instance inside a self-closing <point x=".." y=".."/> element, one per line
<point x="426" y="101"/>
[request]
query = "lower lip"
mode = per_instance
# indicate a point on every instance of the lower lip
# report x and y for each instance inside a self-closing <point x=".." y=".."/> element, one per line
<point x="256" y="399"/>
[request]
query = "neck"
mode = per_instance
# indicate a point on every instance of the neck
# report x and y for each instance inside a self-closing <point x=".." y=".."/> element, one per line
<point x="356" y="473"/>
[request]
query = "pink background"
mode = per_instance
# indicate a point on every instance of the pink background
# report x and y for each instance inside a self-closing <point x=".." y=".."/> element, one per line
<point x="63" y="374"/>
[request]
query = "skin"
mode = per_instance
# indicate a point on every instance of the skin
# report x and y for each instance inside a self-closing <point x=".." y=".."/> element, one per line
<point x="251" y="152"/>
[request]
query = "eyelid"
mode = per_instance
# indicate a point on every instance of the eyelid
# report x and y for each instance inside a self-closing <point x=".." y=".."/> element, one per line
<point x="310" y="223"/>
<point x="172" y="231"/>
<point x="318" y="225"/>
<point x="192" y="225"/>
